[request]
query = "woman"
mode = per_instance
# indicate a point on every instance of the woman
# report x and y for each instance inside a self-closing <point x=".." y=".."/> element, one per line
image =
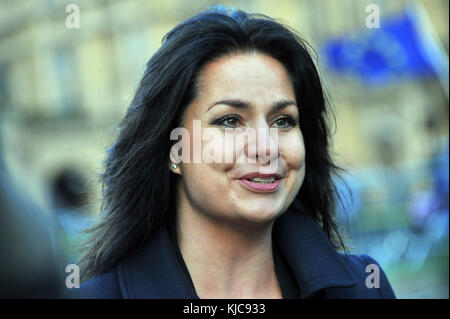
<point x="257" y="226"/>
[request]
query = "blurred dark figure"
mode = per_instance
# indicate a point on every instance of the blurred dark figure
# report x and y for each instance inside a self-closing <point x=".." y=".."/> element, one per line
<point x="69" y="194"/>
<point x="30" y="263"/>
<point x="68" y="189"/>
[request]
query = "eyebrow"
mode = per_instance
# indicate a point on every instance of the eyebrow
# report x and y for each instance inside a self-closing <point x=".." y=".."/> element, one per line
<point x="245" y="105"/>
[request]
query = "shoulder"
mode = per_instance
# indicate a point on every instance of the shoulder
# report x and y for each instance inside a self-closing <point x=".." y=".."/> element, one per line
<point x="357" y="262"/>
<point x="104" y="286"/>
<point x="372" y="281"/>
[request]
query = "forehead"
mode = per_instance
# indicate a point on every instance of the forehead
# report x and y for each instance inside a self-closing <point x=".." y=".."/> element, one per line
<point x="253" y="77"/>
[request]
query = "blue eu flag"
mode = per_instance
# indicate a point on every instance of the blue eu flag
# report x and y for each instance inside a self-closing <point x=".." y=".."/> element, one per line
<point x="394" y="51"/>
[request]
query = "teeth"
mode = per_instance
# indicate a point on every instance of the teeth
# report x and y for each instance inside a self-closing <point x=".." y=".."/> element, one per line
<point x="263" y="180"/>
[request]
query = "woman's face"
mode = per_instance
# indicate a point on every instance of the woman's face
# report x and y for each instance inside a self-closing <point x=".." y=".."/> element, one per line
<point x="252" y="92"/>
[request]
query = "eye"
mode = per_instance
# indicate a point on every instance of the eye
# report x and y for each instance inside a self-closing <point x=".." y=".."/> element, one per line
<point x="285" y="122"/>
<point x="228" y="121"/>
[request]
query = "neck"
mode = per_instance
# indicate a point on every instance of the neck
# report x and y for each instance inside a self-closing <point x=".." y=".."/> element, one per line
<point x="227" y="261"/>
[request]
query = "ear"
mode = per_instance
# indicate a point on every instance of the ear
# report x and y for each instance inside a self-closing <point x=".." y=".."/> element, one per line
<point x="174" y="164"/>
<point x="175" y="168"/>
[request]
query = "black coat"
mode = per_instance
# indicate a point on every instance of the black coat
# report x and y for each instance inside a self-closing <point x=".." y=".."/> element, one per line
<point x="320" y="272"/>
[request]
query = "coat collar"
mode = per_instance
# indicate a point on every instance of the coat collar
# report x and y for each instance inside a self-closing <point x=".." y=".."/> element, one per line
<point x="314" y="261"/>
<point x="155" y="272"/>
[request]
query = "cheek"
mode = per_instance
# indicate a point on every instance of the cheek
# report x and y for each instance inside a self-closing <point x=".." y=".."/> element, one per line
<point x="292" y="149"/>
<point x="206" y="188"/>
<point x="217" y="149"/>
<point x="197" y="183"/>
<point x="205" y="180"/>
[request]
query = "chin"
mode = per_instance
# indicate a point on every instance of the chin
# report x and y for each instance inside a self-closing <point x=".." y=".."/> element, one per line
<point x="262" y="214"/>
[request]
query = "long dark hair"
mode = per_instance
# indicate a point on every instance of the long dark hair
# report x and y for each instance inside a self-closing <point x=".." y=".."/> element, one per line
<point x="139" y="188"/>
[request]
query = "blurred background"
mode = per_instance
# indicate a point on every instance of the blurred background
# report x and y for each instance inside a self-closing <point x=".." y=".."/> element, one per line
<point x="64" y="89"/>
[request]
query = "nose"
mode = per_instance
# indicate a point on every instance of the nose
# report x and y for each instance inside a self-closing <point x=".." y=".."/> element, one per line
<point x="263" y="144"/>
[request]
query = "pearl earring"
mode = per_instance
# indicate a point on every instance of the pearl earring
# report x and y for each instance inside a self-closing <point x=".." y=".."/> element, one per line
<point x="174" y="166"/>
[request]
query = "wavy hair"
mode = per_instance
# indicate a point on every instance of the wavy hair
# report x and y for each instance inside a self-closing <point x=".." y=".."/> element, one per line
<point x="139" y="188"/>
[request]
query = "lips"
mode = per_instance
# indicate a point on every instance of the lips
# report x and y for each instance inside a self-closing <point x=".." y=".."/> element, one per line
<point x="260" y="182"/>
